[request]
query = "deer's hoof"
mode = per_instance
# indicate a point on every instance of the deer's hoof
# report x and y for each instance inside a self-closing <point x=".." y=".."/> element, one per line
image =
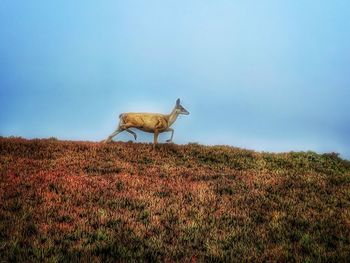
<point x="169" y="141"/>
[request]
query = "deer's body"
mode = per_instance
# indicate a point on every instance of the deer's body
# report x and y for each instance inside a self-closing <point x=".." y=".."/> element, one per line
<point x="149" y="122"/>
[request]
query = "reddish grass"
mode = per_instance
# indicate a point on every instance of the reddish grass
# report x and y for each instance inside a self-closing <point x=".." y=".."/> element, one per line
<point x="70" y="201"/>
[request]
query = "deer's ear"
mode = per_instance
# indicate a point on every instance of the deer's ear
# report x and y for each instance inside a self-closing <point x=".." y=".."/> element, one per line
<point x="178" y="102"/>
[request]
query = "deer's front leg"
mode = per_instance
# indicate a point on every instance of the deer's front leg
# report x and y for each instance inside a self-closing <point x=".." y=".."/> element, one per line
<point x="156" y="133"/>
<point x="172" y="134"/>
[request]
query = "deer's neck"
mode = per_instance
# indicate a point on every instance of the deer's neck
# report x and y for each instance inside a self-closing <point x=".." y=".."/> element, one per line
<point x="172" y="117"/>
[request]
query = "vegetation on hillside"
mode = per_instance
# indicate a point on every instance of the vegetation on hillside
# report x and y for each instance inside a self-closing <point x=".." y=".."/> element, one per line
<point x="70" y="201"/>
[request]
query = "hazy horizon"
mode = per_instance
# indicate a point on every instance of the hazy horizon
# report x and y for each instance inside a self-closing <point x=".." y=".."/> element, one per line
<point x="267" y="76"/>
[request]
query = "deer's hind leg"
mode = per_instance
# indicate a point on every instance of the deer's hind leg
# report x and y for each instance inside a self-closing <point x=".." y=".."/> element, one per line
<point x="126" y="126"/>
<point x="115" y="133"/>
<point x="131" y="132"/>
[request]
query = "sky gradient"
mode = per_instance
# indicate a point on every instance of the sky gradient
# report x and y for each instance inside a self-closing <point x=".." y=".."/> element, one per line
<point x="263" y="75"/>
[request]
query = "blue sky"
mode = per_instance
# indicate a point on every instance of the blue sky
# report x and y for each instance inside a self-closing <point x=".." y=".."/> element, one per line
<point x="263" y="75"/>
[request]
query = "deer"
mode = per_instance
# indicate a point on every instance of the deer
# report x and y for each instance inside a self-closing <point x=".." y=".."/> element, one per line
<point x="155" y="123"/>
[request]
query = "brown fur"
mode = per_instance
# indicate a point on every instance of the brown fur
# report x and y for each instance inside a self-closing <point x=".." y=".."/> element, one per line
<point x="148" y="122"/>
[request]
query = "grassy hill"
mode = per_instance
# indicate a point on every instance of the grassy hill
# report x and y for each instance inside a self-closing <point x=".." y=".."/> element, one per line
<point x="70" y="201"/>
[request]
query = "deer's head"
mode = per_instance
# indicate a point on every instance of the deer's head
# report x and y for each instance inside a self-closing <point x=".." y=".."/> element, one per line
<point x="179" y="109"/>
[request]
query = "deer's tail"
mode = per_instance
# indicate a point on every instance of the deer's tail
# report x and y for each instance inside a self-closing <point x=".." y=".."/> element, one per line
<point x="121" y="119"/>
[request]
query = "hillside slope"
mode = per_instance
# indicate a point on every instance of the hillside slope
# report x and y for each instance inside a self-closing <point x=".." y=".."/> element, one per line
<point x="64" y="201"/>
